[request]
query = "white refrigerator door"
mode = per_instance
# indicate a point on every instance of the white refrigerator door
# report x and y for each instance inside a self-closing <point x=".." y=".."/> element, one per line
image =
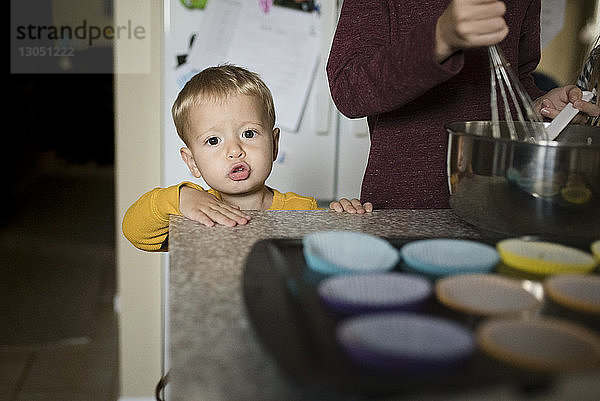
<point x="180" y="25"/>
<point x="325" y="158"/>
<point x="307" y="159"/>
<point x="306" y="163"/>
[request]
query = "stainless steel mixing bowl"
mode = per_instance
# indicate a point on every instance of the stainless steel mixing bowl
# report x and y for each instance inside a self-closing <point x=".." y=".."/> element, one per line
<point x="547" y="189"/>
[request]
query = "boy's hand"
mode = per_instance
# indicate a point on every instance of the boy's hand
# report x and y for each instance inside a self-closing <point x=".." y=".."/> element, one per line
<point x="351" y="206"/>
<point x="550" y="104"/>
<point x="205" y="208"/>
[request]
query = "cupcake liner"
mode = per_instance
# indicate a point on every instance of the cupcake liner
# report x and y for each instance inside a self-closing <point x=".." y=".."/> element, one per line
<point x="404" y="343"/>
<point x="364" y="293"/>
<point x="575" y="291"/>
<point x="541" y="257"/>
<point x="449" y="256"/>
<point x="540" y="345"/>
<point x="485" y="295"/>
<point x="339" y="252"/>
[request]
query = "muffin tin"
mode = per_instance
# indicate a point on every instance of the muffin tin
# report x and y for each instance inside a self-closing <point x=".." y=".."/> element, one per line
<point x="301" y="328"/>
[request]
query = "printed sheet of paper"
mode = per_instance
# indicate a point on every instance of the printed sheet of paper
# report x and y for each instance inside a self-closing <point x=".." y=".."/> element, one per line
<point x="280" y="44"/>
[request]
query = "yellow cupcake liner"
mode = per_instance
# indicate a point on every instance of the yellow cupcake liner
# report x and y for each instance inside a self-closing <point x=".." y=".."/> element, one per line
<point x="542" y="257"/>
<point x="577" y="195"/>
<point x="595" y="247"/>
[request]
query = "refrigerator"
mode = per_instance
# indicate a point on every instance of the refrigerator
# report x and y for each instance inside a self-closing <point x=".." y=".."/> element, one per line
<point x="325" y="154"/>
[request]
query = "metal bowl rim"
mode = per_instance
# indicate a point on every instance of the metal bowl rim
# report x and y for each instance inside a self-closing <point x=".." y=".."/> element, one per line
<point x="553" y="144"/>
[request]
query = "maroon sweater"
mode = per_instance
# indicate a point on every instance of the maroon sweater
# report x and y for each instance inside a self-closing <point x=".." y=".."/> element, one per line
<point x="382" y="66"/>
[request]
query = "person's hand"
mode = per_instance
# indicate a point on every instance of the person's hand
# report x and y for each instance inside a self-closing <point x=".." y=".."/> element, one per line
<point x="351" y="206"/>
<point x="467" y="24"/>
<point x="550" y="104"/>
<point x="205" y="208"/>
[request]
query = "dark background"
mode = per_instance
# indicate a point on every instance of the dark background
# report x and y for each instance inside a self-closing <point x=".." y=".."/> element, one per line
<point x="69" y="116"/>
<point x="65" y="114"/>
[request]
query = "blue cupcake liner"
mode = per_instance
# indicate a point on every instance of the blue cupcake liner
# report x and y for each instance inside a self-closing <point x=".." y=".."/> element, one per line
<point x="342" y="252"/>
<point x="440" y="256"/>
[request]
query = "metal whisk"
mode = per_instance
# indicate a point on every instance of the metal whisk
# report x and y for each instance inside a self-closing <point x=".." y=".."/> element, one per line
<point x="505" y="81"/>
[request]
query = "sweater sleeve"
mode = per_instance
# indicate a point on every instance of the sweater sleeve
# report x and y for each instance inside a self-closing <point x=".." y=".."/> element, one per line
<point x="146" y="222"/>
<point x="381" y="59"/>
<point x="292" y="201"/>
<point x="529" y="49"/>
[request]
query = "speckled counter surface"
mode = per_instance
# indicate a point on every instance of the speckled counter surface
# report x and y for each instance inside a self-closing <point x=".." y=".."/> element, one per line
<point x="213" y="352"/>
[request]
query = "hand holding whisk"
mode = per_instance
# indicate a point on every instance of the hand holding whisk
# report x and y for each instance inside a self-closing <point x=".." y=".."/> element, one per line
<point x="506" y="87"/>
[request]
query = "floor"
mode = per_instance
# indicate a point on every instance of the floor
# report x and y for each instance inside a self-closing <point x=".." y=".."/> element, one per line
<point x="60" y="340"/>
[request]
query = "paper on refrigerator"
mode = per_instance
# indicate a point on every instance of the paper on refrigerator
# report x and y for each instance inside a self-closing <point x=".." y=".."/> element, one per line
<point x="282" y="45"/>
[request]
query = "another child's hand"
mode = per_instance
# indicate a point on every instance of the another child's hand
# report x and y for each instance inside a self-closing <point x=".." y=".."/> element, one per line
<point x="351" y="206"/>
<point x="550" y="104"/>
<point x="205" y="208"/>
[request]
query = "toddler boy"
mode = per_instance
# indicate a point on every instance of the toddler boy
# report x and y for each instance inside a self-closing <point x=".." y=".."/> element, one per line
<point x="226" y="117"/>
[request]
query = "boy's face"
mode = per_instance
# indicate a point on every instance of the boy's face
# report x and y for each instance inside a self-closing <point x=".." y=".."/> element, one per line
<point x="231" y="145"/>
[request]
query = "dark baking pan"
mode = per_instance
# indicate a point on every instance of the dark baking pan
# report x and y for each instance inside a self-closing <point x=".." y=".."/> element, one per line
<point x="283" y="306"/>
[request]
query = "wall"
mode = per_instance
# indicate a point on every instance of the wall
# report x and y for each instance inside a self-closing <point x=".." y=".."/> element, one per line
<point x="73" y="13"/>
<point x="138" y="169"/>
<point x="563" y="57"/>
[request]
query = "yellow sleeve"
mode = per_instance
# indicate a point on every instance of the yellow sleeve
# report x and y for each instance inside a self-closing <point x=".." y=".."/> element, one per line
<point x="146" y="222"/>
<point x="292" y="201"/>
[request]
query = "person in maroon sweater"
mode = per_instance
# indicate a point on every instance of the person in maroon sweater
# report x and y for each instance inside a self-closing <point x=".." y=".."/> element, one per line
<point x="411" y="66"/>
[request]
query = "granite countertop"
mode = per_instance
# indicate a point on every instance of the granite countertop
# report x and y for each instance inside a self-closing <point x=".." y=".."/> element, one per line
<point x="213" y="352"/>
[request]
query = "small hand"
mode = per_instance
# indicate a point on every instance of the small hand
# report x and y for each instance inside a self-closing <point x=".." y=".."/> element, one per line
<point x="550" y="104"/>
<point x="205" y="208"/>
<point x="351" y="206"/>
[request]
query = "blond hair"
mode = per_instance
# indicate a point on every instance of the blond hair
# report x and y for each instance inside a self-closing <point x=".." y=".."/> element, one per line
<point x="215" y="84"/>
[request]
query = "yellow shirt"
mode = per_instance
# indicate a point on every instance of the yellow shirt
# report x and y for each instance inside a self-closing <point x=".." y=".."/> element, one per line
<point x="146" y="222"/>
